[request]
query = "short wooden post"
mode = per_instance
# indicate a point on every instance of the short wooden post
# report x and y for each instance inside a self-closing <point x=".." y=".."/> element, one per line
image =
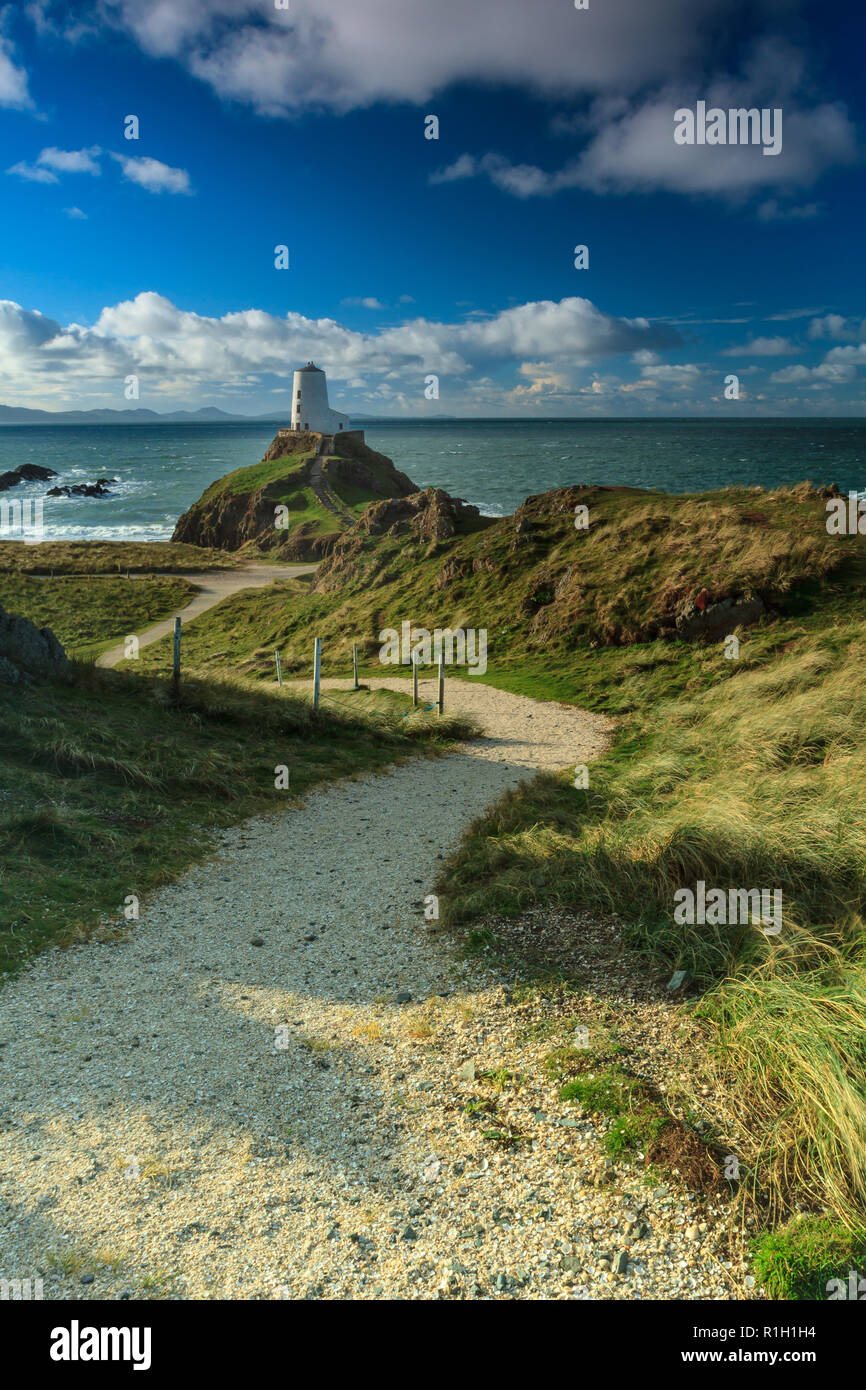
<point x="415" y="678"/>
<point x="355" y="665"/>
<point x="279" y="668"/>
<point x="317" y="671"/>
<point x="441" y="682"/>
<point x="175" y="675"/>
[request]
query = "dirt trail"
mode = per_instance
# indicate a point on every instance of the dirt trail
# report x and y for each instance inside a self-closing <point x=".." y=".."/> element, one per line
<point x="213" y="588"/>
<point x="276" y="1083"/>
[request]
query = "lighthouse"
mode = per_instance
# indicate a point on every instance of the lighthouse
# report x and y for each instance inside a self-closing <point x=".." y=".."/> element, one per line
<point x="310" y="409"/>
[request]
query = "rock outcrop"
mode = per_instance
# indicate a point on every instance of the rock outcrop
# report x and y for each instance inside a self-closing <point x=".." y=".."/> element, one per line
<point x="28" y="652"/>
<point x="27" y="473"/>
<point x="98" y="489"/>
<point x="428" y="516"/>
<point x="714" y="619"/>
<point x="230" y="516"/>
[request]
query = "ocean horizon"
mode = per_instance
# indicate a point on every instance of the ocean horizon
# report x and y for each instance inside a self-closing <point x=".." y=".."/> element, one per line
<point x="493" y="464"/>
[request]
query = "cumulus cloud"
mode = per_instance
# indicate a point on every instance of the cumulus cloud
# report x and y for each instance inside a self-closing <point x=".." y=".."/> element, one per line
<point x="631" y="146"/>
<point x="150" y="336"/>
<point x="71" y="161"/>
<point x="838" y="368"/>
<point x="76" y="214"/>
<point x="839" y="328"/>
<point x="339" y="55"/>
<point x="14" y="91"/>
<point x="51" y="162"/>
<point x="762" y="347"/>
<point x="32" y="172"/>
<point x="153" y="175"/>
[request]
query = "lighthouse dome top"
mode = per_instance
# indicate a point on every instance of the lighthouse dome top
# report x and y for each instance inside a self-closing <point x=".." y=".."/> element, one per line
<point x="310" y="367"/>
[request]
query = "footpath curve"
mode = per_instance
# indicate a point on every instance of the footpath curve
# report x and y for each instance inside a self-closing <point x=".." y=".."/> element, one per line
<point x="274" y="1084"/>
<point x="212" y="587"/>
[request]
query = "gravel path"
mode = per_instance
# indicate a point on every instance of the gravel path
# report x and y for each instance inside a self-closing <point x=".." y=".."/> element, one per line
<point x="212" y="588"/>
<point x="273" y="1084"/>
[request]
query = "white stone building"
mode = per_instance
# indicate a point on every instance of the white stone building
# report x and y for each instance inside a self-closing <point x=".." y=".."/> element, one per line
<point x="310" y="409"/>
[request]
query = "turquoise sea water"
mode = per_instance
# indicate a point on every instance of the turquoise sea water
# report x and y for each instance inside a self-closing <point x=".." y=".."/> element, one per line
<point x="494" y="464"/>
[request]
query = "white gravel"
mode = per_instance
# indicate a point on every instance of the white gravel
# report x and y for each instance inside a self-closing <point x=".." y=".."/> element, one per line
<point x="184" y="1113"/>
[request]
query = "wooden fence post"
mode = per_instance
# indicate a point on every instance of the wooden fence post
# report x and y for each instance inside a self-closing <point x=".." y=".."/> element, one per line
<point x="441" y="682"/>
<point x="355" y="665"/>
<point x="175" y="675"/>
<point x="415" y="678"/>
<point x="279" y="668"/>
<point x="317" y="671"/>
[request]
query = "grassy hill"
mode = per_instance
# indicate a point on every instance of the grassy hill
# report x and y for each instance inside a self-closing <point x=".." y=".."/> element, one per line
<point x="238" y="512"/>
<point x="552" y="599"/>
<point x="88" y="613"/>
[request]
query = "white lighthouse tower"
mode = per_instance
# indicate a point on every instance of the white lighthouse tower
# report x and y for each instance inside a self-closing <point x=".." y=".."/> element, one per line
<point x="310" y="409"/>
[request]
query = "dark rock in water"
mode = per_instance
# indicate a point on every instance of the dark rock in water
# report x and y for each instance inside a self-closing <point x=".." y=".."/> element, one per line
<point x="29" y="651"/>
<point x="35" y="473"/>
<point x="97" y="489"/>
<point x="27" y="473"/>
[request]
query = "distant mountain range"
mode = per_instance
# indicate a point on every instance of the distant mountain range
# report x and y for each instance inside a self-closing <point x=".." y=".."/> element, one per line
<point x="210" y="414"/>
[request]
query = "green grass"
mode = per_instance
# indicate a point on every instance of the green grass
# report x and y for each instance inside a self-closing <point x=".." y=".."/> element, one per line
<point x="88" y="613"/>
<point x="583" y="618"/>
<point x="797" y="1261"/>
<point x="252" y="478"/>
<point x="110" y="557"/>
<point x="749" y="777"/>
<point x="109" y="788"/>
<point x="745" y="773"/>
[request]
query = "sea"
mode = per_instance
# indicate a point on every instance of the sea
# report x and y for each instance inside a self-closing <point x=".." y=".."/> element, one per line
<point x="494" y="464"/>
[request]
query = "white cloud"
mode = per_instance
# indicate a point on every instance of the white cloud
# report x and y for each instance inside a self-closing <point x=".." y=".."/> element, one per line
<point x="762" y="347"/>
<point x="632" y="149"/>
<point x="153" y="175"/>
<point x="773" y="211"/>
<point x="152" y="337"/>
<point x="838" y="368"/>
<point x="13" y="80"/>
<point x="533" y="357"/>
<point x="32" y="172"/>
<point x="76" y="214"/>
<point x="52" y="162"/>
<point x="71" y="161"/>
<point x="836" y="326"/>
<point x="340" y="55"/>
<point x="369" y="302"/>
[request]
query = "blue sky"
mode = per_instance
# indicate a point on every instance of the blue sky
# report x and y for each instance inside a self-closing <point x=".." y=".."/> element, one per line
<point x="411" y="257"/>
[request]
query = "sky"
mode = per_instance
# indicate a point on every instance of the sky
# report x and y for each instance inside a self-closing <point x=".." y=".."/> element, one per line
<point x="430" y="266"/>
